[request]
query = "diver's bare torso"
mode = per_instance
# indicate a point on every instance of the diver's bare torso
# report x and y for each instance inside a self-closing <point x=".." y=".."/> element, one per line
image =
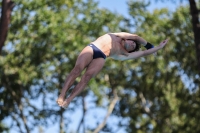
<point x="110" y="44"/>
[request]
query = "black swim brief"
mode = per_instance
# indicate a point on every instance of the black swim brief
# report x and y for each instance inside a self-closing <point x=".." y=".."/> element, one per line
<point x="97" y="53"/>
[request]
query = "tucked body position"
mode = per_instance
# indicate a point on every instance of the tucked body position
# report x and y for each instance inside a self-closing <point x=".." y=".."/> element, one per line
<point x="119" y="46"/>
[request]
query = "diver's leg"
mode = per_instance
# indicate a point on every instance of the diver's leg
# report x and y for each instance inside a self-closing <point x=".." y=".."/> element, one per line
<point x="84" y="58"/>
<point x="92" y="70"/>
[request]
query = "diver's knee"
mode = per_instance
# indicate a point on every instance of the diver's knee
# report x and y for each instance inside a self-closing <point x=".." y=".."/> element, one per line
<point x="86" y="77"/>
<point x="76" y="70"/>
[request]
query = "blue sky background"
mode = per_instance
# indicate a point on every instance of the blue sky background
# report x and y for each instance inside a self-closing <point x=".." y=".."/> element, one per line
<point x="121" y="7"/>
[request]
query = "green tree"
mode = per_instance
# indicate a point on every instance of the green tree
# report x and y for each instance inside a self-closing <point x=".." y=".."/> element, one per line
<point x="44" y="40"/>
<point x="194" y="18"/>
<point x="160" y="94"/>
<point x="156" y="94"/>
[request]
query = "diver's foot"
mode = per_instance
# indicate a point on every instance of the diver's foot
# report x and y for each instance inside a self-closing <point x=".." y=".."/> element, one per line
<point x="60" y="100"/>
<point x="65" y="103"/>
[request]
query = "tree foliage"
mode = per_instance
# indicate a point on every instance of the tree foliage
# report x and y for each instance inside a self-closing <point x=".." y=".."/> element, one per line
<point x="162" y="90"/>
<point x="156" y="93"/>
<point x="44" y="40"/>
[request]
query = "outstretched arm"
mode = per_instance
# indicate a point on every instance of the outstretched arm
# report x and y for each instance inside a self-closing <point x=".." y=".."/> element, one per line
<point x="138" y="54"/>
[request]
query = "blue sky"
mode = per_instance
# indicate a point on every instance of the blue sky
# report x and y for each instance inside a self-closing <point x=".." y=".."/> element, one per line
<point x="121" y="7"/>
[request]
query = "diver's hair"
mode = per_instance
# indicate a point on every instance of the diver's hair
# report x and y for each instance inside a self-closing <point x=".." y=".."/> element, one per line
<point x="137" y="48"/>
